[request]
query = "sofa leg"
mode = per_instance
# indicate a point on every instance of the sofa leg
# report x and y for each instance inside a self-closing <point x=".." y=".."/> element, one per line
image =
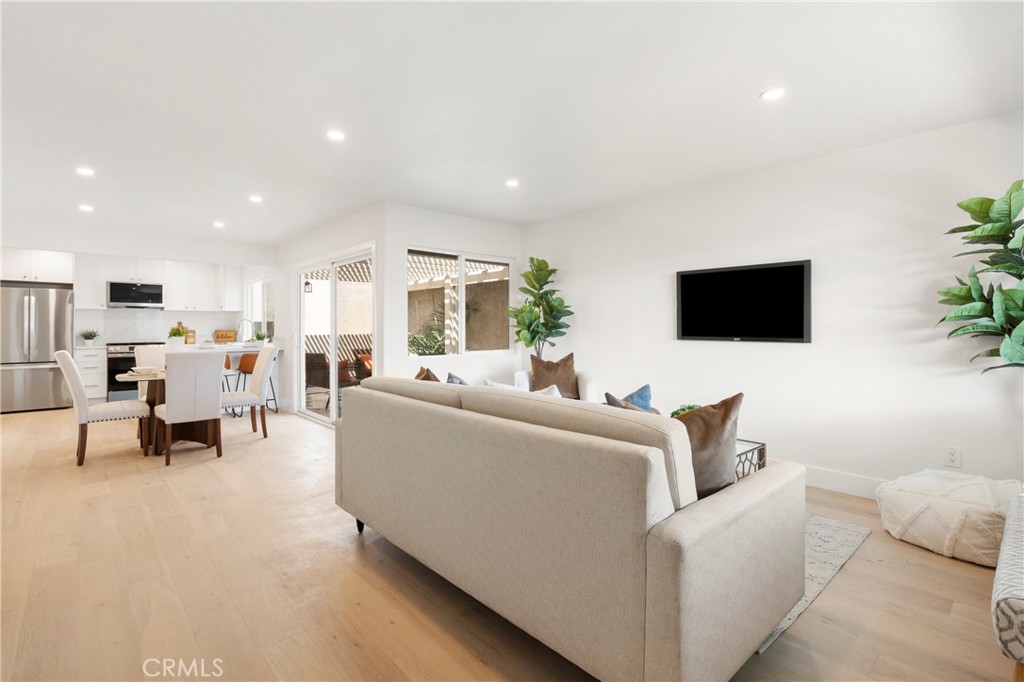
<point x="360" y="526"/>
<point x="1018" y="672"/>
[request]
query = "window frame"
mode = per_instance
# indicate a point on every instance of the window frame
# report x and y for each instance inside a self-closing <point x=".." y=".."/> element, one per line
<point x="247" y="302"/>
<point x="463" y="256"/>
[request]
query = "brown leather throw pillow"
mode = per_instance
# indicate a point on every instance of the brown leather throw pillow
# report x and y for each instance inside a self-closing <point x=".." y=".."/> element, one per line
<point x="712" y="431"/>
<point x="425" y="375"/>
<point x="561" y="374"/>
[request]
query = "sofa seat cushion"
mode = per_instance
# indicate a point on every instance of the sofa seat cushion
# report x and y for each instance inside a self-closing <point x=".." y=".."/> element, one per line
<point x="629" y="426"/>
<point x="435" y="392"/>
<point x="956" y="515"/>
<point x="1008" y="588"/>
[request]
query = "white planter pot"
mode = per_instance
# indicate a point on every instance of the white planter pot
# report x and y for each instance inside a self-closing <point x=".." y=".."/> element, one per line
<point x="88" y="342"/>
<point x="176" y="342"/>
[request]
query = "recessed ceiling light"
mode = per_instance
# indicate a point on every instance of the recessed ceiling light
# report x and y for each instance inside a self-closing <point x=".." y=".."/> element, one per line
<point x="511" y="182"/>
<point x="335" y="135"/>
<point x="772" y="95"/>
<point x="85" y="208"/>
<point x="256" y="198"/>
<point x="218" y="224"/>
<point x="86" y="171"/>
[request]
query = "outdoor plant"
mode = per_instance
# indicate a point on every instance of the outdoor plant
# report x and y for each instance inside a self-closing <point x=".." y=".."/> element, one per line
<point x="998" y="309"/>
<point x="88" y="334"/>
<point x="539" y="318"/>
<point x="683" y="409"/>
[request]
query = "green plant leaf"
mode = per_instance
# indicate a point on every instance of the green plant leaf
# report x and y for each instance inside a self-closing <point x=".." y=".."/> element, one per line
<point x="990" y="233"/>
<point x="963" y="228"/>
<point x="978" y="329"/>
<point x="1008" y="206"/>
<point x="1017" y="335"/>
<point x="970" y="311"/>
<point x="998" y="306"/>
<point x="977" y="208"/>
<point x="1008" y="268"/>
<point x="1011" y="351"/>
<point x="976" y="291"/>
<point x="990" y="353"/>
<point x="1018" y="240"/>
<point x="1012" y="364"/>
<point x="976" y="252"/>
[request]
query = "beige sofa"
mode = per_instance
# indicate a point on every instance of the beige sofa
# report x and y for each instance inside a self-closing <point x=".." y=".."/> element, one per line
<point x="577" y="522"/>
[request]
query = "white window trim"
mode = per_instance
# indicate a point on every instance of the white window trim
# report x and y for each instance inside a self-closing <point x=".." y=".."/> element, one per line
<point x="463" y="256"/>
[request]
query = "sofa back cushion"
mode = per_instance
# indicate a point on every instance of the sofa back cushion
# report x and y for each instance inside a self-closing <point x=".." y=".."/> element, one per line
<point x="667" y="435"/>
<point x="435" y="392"/>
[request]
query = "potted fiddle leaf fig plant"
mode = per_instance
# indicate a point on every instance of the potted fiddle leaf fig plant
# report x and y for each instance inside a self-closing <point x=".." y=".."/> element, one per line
<point x="540" y="318"/>
<point x="998" y="309"/>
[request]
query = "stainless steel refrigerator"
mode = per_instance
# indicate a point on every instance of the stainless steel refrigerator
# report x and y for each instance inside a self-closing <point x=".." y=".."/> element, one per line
<point x="35" y="322"/>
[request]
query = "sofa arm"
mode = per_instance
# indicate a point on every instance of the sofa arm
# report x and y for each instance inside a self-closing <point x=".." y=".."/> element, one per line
<point x="722" y="573"/>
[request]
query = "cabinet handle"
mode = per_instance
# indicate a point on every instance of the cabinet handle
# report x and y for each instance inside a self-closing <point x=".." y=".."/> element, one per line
<point x="92" y="385"/>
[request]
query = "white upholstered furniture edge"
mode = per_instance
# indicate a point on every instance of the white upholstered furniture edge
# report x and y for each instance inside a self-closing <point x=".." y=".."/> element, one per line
<point x="574" y="537"/>
<point x="85" y="413"/>
<point x="1008" y="589"/>
<point x="192" y="390"/>
<point x="521" y="380"/>
<point x="256" y="394"/>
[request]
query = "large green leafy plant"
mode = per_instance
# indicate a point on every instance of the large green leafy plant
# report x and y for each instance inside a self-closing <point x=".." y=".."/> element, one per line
<point x="539" y="318"/>
<point x="996" y="310"/>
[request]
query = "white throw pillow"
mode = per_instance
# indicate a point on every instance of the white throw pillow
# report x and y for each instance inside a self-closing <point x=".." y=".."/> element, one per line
<point x="550" y="390"/>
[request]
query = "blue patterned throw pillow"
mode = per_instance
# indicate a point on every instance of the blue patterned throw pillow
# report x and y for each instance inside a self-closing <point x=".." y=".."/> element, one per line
<point x="452" y="379"/>
<point x="641" y="398"/>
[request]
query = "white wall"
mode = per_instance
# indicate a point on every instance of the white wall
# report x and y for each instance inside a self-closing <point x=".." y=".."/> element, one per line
<point x="879" y="391"/>
<point x="131" y="324"/>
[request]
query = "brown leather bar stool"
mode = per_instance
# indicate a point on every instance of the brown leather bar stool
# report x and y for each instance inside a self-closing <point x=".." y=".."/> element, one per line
<point x="246" y="365"/>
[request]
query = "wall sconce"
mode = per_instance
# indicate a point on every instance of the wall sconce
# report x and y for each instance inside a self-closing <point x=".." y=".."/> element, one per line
<point x="308" y="287"/>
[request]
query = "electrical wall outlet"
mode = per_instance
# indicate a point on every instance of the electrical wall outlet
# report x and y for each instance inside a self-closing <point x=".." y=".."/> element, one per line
<point x="953" y="457"/>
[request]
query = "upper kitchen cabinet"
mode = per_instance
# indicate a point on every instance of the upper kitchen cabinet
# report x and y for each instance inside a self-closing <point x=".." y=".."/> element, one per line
<point x="231" y="288"/>
<point x="30" y="265"/>
<point x="140" y="270"/>
<point x="191" y="286"/>
<point x="90" y="281"/>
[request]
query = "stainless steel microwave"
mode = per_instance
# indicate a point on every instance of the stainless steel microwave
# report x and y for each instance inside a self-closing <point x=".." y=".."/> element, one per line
<point x="134" y="295"/>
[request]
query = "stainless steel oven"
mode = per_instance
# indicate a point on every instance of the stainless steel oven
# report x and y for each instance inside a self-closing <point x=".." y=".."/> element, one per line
<point x="120" y="359"/>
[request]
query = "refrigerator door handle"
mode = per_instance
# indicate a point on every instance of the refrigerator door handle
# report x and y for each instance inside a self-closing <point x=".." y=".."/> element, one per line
<point x="32" y="326"/>
<point x="25" y="325"/>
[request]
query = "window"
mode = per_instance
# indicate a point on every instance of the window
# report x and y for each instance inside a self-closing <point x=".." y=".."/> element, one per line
<point x="259" y="306"/>
<point x="439" y="322"/>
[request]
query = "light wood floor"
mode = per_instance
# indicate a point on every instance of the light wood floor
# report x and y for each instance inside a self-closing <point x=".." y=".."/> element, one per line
<point x="247" y="560"/>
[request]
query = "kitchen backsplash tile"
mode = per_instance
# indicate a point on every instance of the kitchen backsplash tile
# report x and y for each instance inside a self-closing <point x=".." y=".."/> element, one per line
<point x="130" y="324"/>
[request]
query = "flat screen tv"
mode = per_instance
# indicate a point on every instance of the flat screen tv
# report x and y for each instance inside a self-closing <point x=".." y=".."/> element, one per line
<point x="769" y="302"/>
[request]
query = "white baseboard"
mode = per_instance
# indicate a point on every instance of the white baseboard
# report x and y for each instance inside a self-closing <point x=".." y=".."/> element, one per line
<point x="843" y="481"/>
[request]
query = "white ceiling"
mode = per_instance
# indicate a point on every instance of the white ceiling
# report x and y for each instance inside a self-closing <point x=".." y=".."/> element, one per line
<point x="186" y="109"/>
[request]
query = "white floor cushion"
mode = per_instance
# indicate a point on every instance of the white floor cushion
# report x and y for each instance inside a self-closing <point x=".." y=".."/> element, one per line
<point x="956" y="515"/>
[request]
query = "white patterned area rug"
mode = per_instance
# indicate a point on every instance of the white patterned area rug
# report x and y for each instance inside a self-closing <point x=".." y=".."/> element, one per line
<point x="829" y="544"/>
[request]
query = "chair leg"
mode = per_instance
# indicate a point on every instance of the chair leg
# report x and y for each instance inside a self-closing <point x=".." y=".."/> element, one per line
<point x="252" y="413"/>
<point x="216" y="431"/>
<point x="273" y="395"/>
<point x="359" y="526"/>
<point x="83" y="436"/>
<point x="167" y="444"/>
<point x="263" y="419"/>
<point x="144" y="427"/>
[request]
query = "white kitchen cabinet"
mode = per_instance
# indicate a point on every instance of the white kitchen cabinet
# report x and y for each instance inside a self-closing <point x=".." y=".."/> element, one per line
<point x="205" y="286"/>
<point x="130" y="269"/>
<point x="90" y="281"/>
<point x="177" y="294"/>
<point x="191" y="286"/>
<point x="30" y="265"/>
<point x="92" y="363"/>
<point x="231" y="288"/>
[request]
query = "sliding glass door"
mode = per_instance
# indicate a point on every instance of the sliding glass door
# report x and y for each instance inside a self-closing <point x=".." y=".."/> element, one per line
<point x="337" y="333"/>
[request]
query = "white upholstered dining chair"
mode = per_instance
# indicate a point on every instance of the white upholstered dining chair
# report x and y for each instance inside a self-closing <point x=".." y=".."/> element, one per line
<point x="192" y="390"/>
<point x="102" y="412"/>
<point x="256" y="395"/>
<point x="149" y="356"/>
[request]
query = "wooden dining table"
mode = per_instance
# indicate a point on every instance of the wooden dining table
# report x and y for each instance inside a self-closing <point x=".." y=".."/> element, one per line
<point x="156" y="389"/>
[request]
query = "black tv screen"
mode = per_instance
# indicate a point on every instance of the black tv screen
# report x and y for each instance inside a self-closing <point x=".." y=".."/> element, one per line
<point x="770" y="302"/>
